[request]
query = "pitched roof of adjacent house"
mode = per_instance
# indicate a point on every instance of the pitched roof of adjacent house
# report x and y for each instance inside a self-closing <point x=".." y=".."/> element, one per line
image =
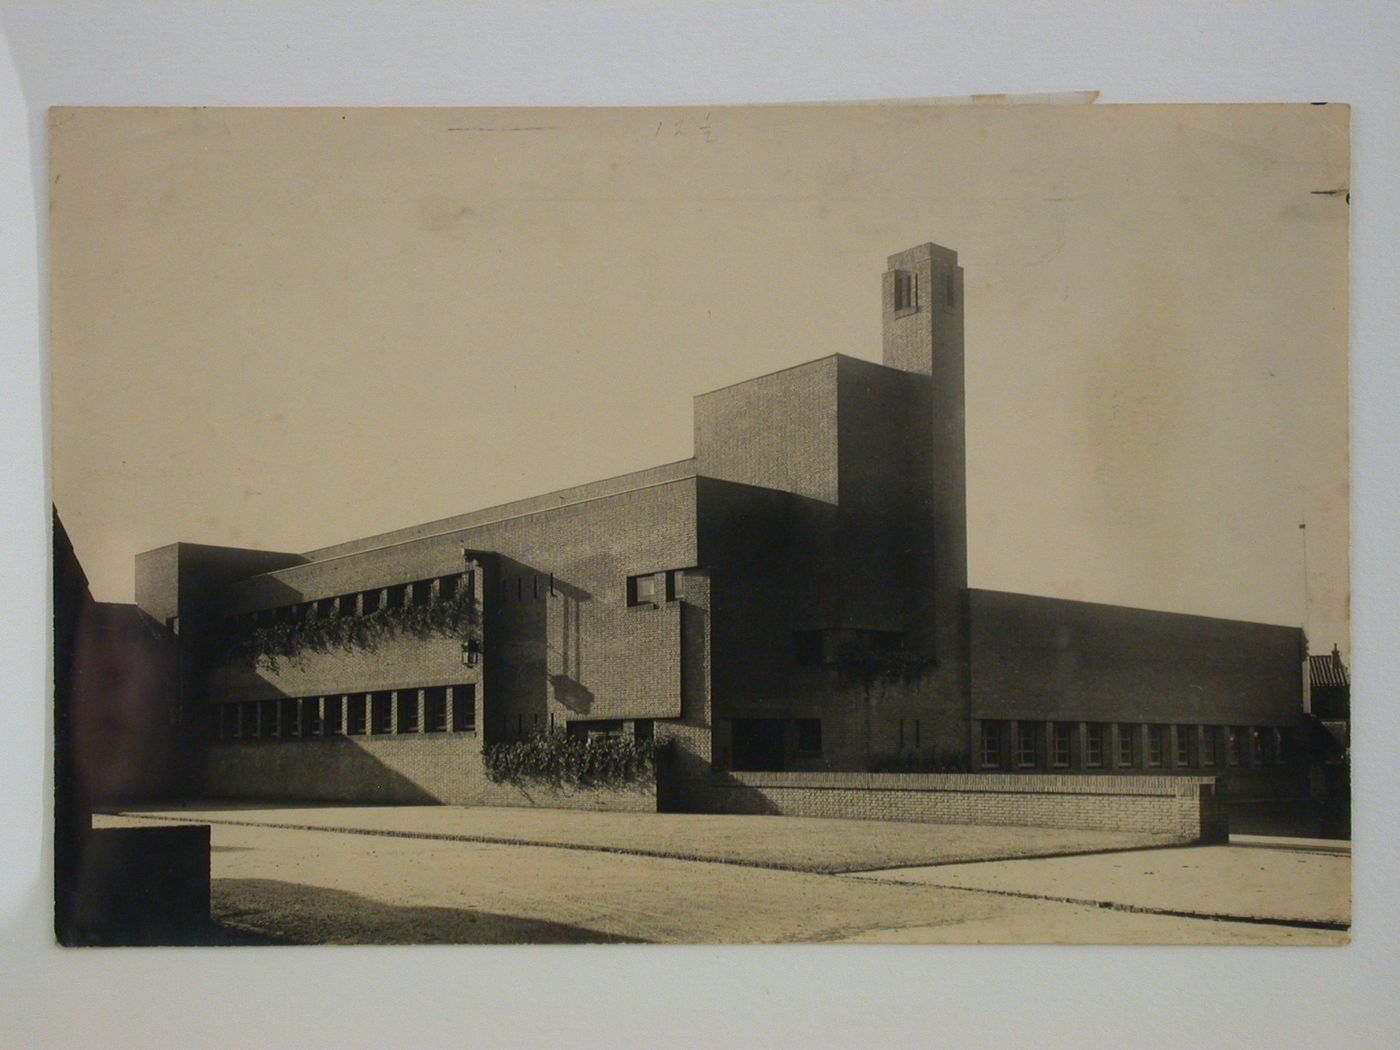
<point x="1327" y="670"/>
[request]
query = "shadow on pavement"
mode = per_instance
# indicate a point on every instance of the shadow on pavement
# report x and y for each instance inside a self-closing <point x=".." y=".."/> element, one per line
<point x="289" y="913"/>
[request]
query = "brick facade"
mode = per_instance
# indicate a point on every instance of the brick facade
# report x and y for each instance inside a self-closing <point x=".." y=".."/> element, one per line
<point x="793" y="597"/>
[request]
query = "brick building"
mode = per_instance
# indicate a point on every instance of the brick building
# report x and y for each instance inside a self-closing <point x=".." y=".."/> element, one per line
<point x="793" y="597"/>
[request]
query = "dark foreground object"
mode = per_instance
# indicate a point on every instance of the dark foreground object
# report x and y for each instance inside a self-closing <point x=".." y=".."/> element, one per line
<point x="140" y="886"/>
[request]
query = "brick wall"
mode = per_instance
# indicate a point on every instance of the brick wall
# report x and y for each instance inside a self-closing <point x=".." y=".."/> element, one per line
<point x="1187" y="808"/>
<point x="378" y="770"/>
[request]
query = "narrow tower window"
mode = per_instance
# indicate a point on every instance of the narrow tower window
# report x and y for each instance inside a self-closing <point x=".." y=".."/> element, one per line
<point x="906" y="290"/>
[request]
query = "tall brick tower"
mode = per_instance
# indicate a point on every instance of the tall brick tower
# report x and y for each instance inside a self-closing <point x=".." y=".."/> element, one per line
<point x="923" y="333"/>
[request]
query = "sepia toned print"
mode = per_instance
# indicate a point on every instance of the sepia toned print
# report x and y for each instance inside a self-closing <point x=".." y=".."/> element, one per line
<point x="991" y="586"/>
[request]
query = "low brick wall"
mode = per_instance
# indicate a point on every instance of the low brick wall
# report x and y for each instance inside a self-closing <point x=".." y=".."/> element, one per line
<point x="1187" y="808"/>
<point x="371" y="770"/>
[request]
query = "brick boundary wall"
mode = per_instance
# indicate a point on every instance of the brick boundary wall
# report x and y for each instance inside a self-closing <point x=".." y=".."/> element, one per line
<point x="372" y="770"/>
<point x="1188" y="808"/>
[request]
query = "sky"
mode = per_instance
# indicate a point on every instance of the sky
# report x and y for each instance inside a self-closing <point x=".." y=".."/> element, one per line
<point x="287" y="328"/>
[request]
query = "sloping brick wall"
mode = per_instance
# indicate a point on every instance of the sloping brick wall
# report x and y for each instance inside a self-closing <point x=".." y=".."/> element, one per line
<point x="1187" y="808"/>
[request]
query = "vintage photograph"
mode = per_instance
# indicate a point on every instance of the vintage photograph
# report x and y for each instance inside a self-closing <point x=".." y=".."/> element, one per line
<point x="880" y="523"/>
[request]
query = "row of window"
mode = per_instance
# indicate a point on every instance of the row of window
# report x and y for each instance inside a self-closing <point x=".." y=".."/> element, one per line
<point x="360" y="603"/>
<point x="1126" y="745"/>
<point x="434" y="709"/>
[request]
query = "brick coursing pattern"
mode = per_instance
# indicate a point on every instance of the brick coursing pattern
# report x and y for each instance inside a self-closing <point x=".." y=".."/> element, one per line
<point x="371" y="770"/>
<point x="1187" y="808"/>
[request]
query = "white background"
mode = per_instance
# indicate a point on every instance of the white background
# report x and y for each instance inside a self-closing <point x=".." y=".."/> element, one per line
<point x="645" y="53"/>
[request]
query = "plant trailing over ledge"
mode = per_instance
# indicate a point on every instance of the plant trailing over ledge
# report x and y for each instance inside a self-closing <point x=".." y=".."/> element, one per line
<point x="267" y="644"/>
<point x="868" y="666"/>
<point x="558" y="759"/>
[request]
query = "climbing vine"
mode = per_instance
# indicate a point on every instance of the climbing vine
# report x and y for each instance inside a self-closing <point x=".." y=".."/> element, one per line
<point x="250" y="645"/>
<point x="560" y="759"/>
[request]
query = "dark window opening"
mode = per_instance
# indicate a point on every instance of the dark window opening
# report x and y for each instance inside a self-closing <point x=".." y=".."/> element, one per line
<point x="288" y="722"/>
<point x="758" y="744"/>
<point x="906" y="290"/>
<point x="396" y="597"/>
<point x="311" y="716"/>
<point x="463" y="708"/>
<point x="435" y="709"/>
<point x="809" y="736"/>
<point x="355" y="713"/>
<point x="644" y="729"/>
<point x="381" y="713"/>
<point x="1208" y="746"/>
<point x="267" y="718"/>
<point x="447" y="587"/>
<point x="1234" y="745"/>
<point x="346" y="604"/>
<point x="369" y="602"/>
<point x="333" y="708"/>
<point x="421" y="592"/>
<point x="408" y="710"/>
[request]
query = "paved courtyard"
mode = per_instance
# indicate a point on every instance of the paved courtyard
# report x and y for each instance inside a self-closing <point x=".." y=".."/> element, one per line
<point x="465" y="875"/>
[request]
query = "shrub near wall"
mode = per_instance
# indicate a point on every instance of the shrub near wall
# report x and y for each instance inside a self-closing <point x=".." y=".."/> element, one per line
<point x="556" y="770"/>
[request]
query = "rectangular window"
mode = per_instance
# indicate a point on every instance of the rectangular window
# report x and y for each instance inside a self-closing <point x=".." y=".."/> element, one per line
<point x="334" y="708"/>
<point x="420" y="592"/>
<point x="990" y="745"/>
<point x="435" y="709"/>
<point x="645" y="590"/>
<point x="1025" y="745"/>
<point x="809" y="736"/>
<point x="346" y="604"/>
<point x="1126" y="751"/>
<point x="1265" y="753"/>
<point x="1208" y="745"/>
<point x="310" y="716"/>
<point x="288" y="722"/>
<point x="1234" y="744"/>
<point x="369" y="602"/>
<point x="381" y="706"/>
<point x="1282" y="756"/>
<point x="1060" y="750"/>
<point x="447" y="587"/>
<point x="463" y="708"/>
<point x="1093" y="745"/>
<point x="906" y="290"/>
<point x="267" y="718"/>
<point x="1156" y="745"/>
<point x="408" y="710"/>
<point x="355" y="713"/>
<point x="1184" y="737"/>
<point x="396" y="597"/>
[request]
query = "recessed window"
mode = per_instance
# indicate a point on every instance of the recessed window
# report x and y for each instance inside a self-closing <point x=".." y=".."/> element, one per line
<point x="990" y="745"/>
<point x="1025" y="745"/>
<point x="310" y="716"/>
<point x="1125" y="745"/>
<point x="1093" y="745"/>
<point x="435" y="709"/>
<point x="1234" y="745"/>
<point x="1060" y="745"/>
<point x="906" y="291"/>
<point x="1208" y="746"/>
<point x="463" y="708"/>
<point x="646" y="590"/>
<point x="1156" y="745"/>
<point x="408" y="711"/>
<point x="355" y="713"/>
<point x="809" y="736"/>
<point x="1183" y="744"/>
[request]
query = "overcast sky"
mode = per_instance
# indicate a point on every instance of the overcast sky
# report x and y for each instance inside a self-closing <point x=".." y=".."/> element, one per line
<point x="283" y="329"/>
